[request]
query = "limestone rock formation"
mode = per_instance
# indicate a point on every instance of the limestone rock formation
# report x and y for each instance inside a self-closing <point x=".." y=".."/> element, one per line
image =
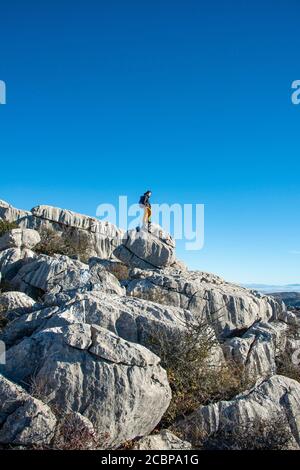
<point x="12" y="259"/>
<point x="19" y="238"/>
<point x="164" y="440"/>
<point x="145" y="250"/>
<point x="60" y="273"/>
<point x="229" y="307"/>
<point x="276" y="397"/>
<point x="258" y="348"/>
<point x="24" y="420"/>
<point x="14" y="304"/>
<point x="89" y="370"/>
<point x="80" y="338"/>
<point x="102" y="237"/>
<point x="131" y="319"/>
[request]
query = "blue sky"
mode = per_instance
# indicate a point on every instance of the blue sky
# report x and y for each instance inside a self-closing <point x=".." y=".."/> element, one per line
<point x="191" y="99"/>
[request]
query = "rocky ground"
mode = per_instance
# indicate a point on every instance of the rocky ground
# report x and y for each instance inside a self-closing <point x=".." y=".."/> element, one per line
<point x="111" y="342"/>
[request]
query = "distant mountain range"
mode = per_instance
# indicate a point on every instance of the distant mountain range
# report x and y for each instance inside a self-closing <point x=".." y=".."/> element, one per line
<point x="291" y="299"/>
<point x="289" y="293"/>
<point x="269" y="288"/>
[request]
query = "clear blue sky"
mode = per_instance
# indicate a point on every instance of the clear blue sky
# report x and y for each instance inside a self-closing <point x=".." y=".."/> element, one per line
<point x="190" y="98"/>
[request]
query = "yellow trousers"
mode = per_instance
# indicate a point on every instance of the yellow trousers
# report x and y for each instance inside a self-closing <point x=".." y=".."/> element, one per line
<point x="147" y="215"/>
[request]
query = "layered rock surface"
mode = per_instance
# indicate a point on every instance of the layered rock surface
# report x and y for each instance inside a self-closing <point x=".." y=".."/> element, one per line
<point x="277" y="397"/>
<point x="229" y="307"/>
<point x="146" y="250"/>
<point x="83" y="336"/>
<point x="87" y="369"/>
<point x="102" y="237"/>
<point x="24" y="420"/>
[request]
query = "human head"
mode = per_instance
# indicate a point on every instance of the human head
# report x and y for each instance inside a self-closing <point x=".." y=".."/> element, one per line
<point x="148" y="193"/>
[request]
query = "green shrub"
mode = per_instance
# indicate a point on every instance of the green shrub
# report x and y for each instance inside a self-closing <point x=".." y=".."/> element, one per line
<point x="72" y="435"/>
<point x="119" y="270"/>
<point x="257" y="434"/>
<point x="6" y="226"/>
<point x="63" y="243"/>
<point x="194" y="381"/>
<point x="286" y="367"/>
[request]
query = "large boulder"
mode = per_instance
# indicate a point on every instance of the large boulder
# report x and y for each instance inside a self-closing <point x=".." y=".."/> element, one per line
<point x="14" y="304"/>
<point x="12" y="259"/>
<point x="61" y="273"/>
<point x="229" y="307"/>
<point x="258" y="349"/>
<point x="87" y="369"/>
<point x="19" y="238"/>
<point x="132" y="319"/>
<point x="24" y="420"/>
<point x="146" y="250"/>
<point x="277" y="397"/>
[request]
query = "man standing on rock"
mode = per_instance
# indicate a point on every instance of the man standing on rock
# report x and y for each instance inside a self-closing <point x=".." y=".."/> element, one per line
<point x="145" y="204"/>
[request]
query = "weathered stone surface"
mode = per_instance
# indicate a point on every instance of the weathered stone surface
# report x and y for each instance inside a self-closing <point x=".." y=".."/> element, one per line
<point x="102" y="237"/>
<point x="27" y="324"/>
<point x="164" y="440"/>
<point x="24" y="420"/>
<point x="14" y="304"/>
<point x="258" y="348"/>
<point x="113" y="266"/>
<point x="276" y="397"/>
<point x="11" y="214"/>
<point x="145" y="250"/>
<point x="62" y="274"/>
<point x="132" y="319"/>
<point x="129" y="318"/>
<point x="89" y="370"/>
<point x="229" y="307"/>
<point x="290" y="318"/>
<point x="12" y="259"/>
<point x="19" y="238"/>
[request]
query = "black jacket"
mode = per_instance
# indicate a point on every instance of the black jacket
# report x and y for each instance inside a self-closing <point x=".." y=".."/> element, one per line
<point x="145" y="200"/>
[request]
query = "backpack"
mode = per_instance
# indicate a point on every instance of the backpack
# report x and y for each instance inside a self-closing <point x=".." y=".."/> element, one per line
<point x="142" y="200"/>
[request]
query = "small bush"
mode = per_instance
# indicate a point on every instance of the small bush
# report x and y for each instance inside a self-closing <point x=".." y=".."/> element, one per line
<point x="194" y="381"/>
<point x="119" y="270"/>
<point x="72" y="434"/>
<point x="6" y="226"/>
<point x="63" y="243"/>
<point x="286" y="367"/>
<point x="258" y="434"/>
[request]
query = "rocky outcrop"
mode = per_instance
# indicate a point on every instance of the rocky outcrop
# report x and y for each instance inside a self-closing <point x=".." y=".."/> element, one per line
<point x="229" y="307"/>
<point x="14" y="304"/>
<point x="102" y="237"/>
<point x="164" y="440"/>
<point x="12" y="259"/>
<point x="18" y="238"/>
<point x="84" y="350"/>
<point x="276" y="397"/>
<point x="89" y="370"/>
<point x="60" y="273"/>
<point x="12" y="214"/>
<point x="24" y="420"/>
<point x="131" y="319"/>
<point x="146" y="250"/>
<point x="258" y="348"/>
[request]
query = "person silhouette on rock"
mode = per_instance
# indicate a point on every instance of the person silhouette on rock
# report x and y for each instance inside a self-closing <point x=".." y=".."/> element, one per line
<point x="146" y="205"/>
